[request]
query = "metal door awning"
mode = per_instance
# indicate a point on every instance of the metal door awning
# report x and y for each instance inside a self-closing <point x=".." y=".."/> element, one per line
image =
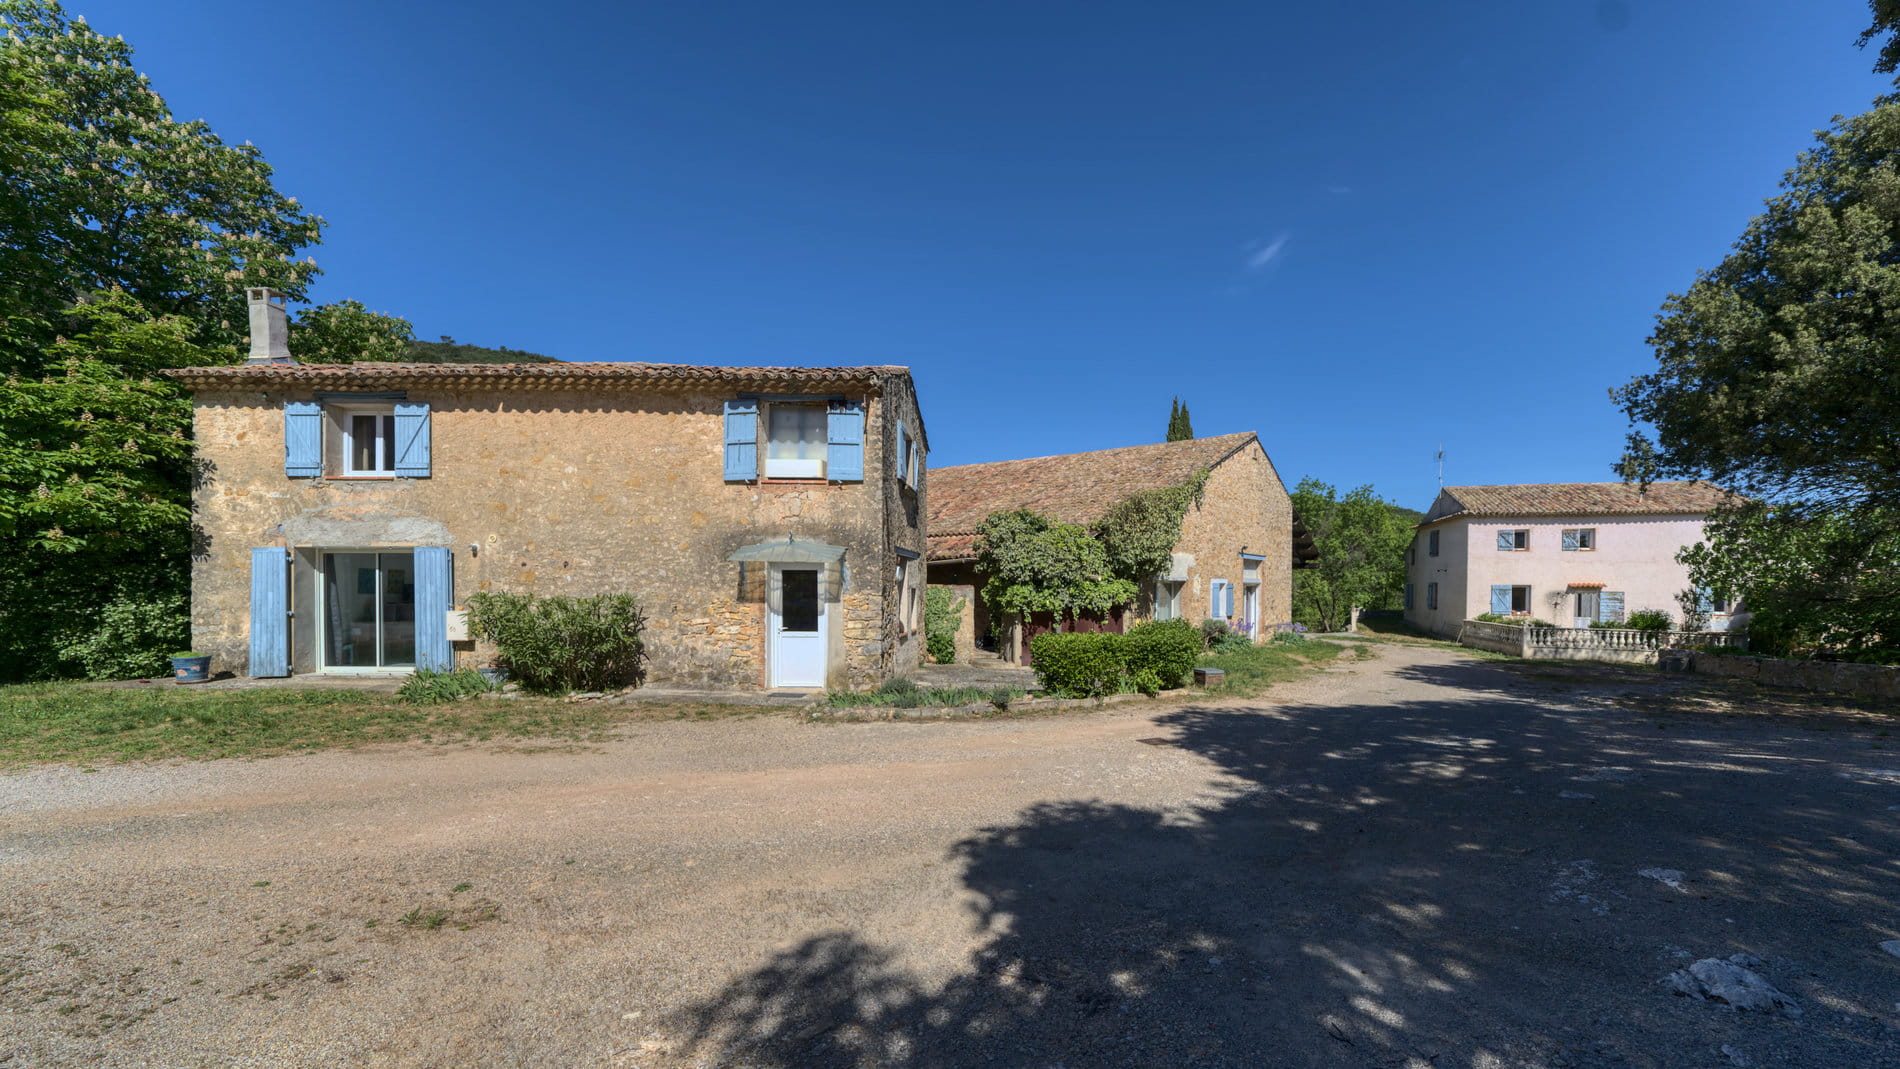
<point x="789" y="550"/>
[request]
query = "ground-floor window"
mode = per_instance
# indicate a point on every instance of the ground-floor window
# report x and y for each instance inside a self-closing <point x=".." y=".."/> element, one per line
<point x="1167" y="600"/>
<point x="1431" y="595"/>
<point x="1520" y="599"/>
<point x="369" y="610"/>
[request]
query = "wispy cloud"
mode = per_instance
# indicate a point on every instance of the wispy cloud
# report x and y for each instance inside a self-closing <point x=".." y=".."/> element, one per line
<point x="1338" y="191"/>
<point x="1260" y="254"/>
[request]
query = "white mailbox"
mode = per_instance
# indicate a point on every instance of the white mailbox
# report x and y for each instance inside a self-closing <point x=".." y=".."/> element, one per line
<point x="458" y="625"/>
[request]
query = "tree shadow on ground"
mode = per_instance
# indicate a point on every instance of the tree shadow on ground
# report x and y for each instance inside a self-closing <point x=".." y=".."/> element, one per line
<point x="1432" y="882"/>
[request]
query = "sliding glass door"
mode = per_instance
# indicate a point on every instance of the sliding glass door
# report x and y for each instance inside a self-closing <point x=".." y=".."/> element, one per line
<point x="369" y="610"/>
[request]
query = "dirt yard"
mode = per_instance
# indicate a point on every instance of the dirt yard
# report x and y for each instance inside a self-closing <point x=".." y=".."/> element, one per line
<point x="1421" y="860"/>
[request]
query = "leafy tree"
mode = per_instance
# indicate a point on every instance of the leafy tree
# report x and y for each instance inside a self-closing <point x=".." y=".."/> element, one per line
<point x="1034" y="564"/>
<point x="1778" y="377"/>
<point x="95" y="479"/>
<point x="1817" y="581"/>
<point x="1886" y="24"/>
<point x="104" y="190"/>
<point x="1361" y="543"/>
<point x="1180" y="425"/>
<point x="345" y="332"/>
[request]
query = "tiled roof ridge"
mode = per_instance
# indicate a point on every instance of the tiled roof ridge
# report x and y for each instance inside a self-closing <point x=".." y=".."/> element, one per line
<point x="598" y="371"/>
<point x="1239" y="436"/>
<point x="1686" y="496"/>
<point x="1070" y="487"/>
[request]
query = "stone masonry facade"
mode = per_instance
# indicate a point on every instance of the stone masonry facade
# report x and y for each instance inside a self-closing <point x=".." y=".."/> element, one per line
<point x="571" y="482"/>
<point x="1244" y="508"/>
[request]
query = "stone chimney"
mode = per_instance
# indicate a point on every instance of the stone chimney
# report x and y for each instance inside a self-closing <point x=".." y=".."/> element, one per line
<point x="270" y="328"/>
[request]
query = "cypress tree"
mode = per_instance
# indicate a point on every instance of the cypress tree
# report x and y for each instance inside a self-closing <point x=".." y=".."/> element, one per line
<point x="1174" y="419"/>
<point x="1181" y="427"/>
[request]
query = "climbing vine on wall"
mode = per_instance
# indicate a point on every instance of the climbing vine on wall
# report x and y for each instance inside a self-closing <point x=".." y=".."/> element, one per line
<point x="1139" y="532"/>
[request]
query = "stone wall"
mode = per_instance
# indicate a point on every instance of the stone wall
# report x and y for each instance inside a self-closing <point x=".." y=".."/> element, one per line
<point x="1244" y="509"/>
<point x="1861" y="680"/>
<point x="565" y="492"/>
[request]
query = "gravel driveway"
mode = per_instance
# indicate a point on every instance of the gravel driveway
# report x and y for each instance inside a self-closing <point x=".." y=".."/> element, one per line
<point x="1421" y="860"/>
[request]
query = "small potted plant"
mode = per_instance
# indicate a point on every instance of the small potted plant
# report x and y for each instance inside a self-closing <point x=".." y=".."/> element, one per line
<point x="191" y="667"/>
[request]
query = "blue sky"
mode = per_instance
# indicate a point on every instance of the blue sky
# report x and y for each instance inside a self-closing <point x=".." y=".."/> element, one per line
<point x="1358" y="229"/>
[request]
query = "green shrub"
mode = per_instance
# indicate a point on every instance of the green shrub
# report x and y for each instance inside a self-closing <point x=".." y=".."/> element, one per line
<point x="898" y="685"/>
<point x="1145" y="681"/>
<point x="1232" y="642"/>
<point x="1288" y="637"/>
<point x="558" y="644"/>
<point x="1168" y="648"/>
<point x="1649" y="620"/>
<point x="428" y="686"/>
<point x="942" y="610"/>
<point x="1213" y="629"/>
<point x="1080" y="665"/>
<point x="134" y="637"/>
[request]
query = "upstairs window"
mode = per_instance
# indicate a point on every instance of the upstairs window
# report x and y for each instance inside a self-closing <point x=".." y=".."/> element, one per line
<point x="1510" y="540"/>
<point x="1431" y="548"/>
<point x="795" y="443"/>
<point x="357" y="436"/>
<point x="1580" y="538"/>
<point x="369" y="443"/>
<point x="909" y="456"/>
<point x="801" y="438"/>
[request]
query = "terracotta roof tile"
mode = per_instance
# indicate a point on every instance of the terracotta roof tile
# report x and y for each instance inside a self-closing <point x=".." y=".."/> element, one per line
<point x="1073" y="488"/>
<point x="544" y="376"/>
<point x="1576" y="499"/>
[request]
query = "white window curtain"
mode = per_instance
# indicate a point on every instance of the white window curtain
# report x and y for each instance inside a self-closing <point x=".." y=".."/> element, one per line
<point x="796" y="441"/>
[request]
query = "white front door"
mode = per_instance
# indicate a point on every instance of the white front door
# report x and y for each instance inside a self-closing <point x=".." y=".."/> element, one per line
<point x="1588" y="602"/>
<point x="796" y="628"/>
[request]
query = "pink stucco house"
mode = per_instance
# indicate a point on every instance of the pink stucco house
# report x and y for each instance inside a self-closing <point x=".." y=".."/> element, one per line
<point x="1569" y="553"/>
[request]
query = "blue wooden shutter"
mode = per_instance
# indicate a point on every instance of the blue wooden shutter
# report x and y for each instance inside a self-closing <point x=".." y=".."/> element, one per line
<point x="303" y="439"/>
<point x="1408" y="595"/>
<point x="742" y="440"/>
<point x="412" y="439"/>
<point x="1434" y="547"/>
<point x="270" y="612"/>
<point x="1610" y="607"/>
<point x="1501" y="599"/>
<point x="903" y="455"/>
<point x="1507" y="540"/>
<point x="435" y="596"/>
<point x="1572" y="543"/>
<point x="1704" y="602"/>
<point x="1227" y="599"/>
<point x="844" y="452"/>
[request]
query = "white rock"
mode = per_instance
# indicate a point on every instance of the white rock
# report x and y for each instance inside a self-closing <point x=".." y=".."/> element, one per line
<point x="1892" y="946"/>
<point x="1732" y="984"/>
<point x="1671" y="878"/>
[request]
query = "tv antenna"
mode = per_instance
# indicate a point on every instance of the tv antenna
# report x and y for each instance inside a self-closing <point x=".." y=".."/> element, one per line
<point x="1440" y="456"/>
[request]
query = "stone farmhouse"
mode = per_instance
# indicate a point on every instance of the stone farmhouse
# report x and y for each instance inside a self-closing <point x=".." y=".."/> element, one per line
<point x="769" y="519"/>
<point x="1568" y="553"/>
<point x="1233" y="562"/>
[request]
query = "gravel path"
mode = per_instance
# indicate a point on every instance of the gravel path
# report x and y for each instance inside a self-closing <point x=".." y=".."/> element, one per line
<point x="1422" y="860"/>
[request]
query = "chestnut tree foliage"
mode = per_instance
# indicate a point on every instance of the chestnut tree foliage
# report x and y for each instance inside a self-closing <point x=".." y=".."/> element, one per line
<point x="345" y="332"/>
<point x="127" y="237"/>
<point x="1778" y="377"/>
